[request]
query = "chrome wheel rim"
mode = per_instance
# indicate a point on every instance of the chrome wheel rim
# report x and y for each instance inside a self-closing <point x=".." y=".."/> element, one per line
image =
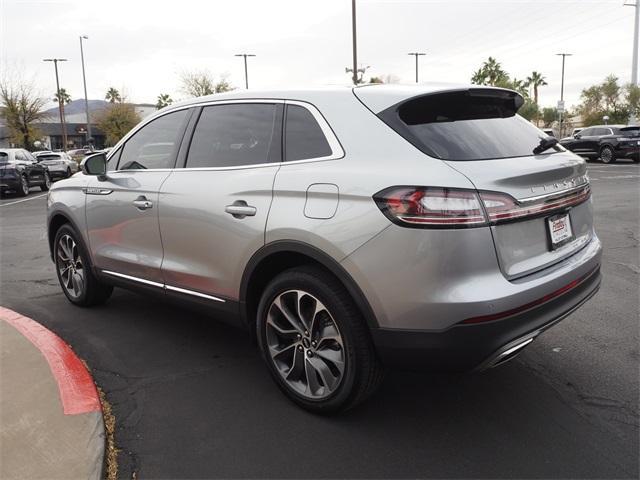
<point x="25" y="185"/>
<point x="606" y="155"/>
<point x="305" y="344"/>
<point x="70" y="266"/>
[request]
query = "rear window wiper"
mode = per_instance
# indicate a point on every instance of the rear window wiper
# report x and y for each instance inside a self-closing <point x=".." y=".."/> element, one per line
<point x="545" y="144"/>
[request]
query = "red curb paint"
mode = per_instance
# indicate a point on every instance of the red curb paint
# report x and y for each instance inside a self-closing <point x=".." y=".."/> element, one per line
<point x="77" y="391"/>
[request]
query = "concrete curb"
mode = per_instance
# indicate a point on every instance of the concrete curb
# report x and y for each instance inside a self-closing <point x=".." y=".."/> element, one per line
<point x="50" y="412"/>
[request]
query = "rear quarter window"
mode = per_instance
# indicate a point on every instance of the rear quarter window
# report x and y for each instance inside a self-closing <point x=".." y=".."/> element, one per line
<point x="304" y="139"/>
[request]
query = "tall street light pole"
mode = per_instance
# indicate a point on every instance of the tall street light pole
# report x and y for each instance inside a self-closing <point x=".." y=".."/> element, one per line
<point x="634" y="58"/>
<point x="86" y="100"/>
<point x="246" y="74"/>
<point x="355" y="42"/>
<point x="417" y="54"/>
<point x="60" y="103"/>
<point x="561" y="103"/>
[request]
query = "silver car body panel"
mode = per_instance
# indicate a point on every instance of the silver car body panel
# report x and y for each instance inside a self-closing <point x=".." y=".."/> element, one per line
<point x="415" y="279"/>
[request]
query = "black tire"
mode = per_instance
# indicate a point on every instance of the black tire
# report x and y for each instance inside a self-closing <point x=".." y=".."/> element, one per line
<point x="68" y="172"/>
<point x="47" y="182"/>
<point x="23" y="189"/>
<point x="607" y="154"/>
<point x="93" y="292"/>
<point x="362" y="372"/>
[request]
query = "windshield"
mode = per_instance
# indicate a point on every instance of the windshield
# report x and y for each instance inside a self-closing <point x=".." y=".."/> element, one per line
<point x="463" y="126"/>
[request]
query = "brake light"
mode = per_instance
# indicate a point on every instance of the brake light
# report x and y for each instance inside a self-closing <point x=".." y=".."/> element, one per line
<point x="503" y="208"/>
<point x="431" y="207"/>
<point x="438" y="207"/>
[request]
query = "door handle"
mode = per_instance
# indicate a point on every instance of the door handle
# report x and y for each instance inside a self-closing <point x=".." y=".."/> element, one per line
<point x="141" y="203"/>
<point x="240" y="209"/>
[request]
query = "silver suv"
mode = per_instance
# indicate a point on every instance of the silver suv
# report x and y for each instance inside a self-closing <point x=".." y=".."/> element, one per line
<point x="348" y="229"/>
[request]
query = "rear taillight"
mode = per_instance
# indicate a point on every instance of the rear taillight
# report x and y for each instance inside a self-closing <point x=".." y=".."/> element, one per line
<point x="437" y="207"/>
<point x="431" y="207"/>
<point x="504" y="208"/>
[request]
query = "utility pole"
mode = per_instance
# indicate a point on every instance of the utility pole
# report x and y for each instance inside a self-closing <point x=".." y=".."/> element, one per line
<point x="417" y="54"/>
<point x="86" y="100"/>
<point x="634" y="58"/>
<point x="355" y="42"/>
<point x="60" y="102"/>
<point x="561" y="102"/>
<point x="246" y="74"/>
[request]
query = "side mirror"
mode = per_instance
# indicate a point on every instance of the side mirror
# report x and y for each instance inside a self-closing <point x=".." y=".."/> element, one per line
<point x="95" y="165"/>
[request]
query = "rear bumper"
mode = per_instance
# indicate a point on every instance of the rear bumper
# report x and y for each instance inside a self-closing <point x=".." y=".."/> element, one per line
<point x="478" y="346"/>
<point x="10" y="183"/>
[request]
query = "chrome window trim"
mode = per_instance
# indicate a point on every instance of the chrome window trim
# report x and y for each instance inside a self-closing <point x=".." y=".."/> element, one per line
<point x="163" y="286"/>
<point x="337" y="152"/>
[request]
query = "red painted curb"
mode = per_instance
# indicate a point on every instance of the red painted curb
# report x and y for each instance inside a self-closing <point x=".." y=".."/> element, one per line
<point x="77" y="391"/>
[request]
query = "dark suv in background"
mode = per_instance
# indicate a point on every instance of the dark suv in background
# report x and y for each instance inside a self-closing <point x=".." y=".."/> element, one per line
<point x="607" y="142"/>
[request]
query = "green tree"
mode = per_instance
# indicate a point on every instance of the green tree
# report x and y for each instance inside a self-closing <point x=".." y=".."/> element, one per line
<point x="535" y="81"/>
<point x="529" y="110"/>
<point x="116" y="120"/>
<point x="21" y="108"/>
<point x="64" y="96"/>
<point x="376" y="80"/>
<point x="164" y="100"/>
<point x="632" y="98"/>
<point x="549" y="115"/>
<point x="606" y="98"/>
<point x="113" y="95"/>
<point x="490" y="73"/>
<point x="201" y="83"/>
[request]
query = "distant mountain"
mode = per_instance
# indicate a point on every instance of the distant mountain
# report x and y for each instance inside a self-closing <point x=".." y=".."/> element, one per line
<point x="77" y="106"/>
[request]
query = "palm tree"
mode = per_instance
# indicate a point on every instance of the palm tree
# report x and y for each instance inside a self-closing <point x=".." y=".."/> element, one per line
<point x="536" y="80"/>
<point x="491" y="73"/>
<point x="163" y="100"/>
<point x="479" y="77"/>
<point x="65" y="98"/>
<point x="113" y="95"/>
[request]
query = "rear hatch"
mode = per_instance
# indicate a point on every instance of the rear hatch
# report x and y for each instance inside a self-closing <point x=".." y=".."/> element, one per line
<point x="49" y="159"/>
<point x="538" y="204"/>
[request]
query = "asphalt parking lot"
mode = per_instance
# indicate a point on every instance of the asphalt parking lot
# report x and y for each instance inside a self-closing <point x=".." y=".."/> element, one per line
<point x="192" y="398"/>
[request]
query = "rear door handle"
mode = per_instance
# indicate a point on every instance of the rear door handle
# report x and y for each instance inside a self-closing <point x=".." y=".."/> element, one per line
<point x="141" y="203"/>
<point x="240" y="209"/>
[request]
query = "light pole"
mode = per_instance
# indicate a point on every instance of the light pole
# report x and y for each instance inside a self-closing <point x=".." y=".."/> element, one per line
<point x="84" y="80"/>
<point x="60" y="103"/>
<point x="355" y="42"/>
<point x="634" y="58"/>
<point x="246" y="74"/>
<point x="417" y="54"/>
<point x="561" y="102"/>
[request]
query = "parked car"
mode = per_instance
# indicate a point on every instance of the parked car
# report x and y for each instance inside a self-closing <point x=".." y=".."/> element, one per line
<point x="19" y="171"/>
<point x="607" y="142"/>
<point x="346" y="228"/>
<point x="59" y="164"/>
<point x="79" y="153"/>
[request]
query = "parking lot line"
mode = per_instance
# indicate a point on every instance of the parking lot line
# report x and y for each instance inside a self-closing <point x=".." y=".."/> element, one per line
<point x="23" y="200"/>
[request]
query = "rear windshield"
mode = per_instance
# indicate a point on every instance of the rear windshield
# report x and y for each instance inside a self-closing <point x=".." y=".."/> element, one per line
<point x="49" y="157"/>
<point x="630" y="131"/>
<point x="464" y="125"/>
<point x="4" y="157"/>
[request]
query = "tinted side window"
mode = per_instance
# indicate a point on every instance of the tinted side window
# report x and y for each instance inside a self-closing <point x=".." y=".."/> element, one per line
<point x="304" y="138"/>
<point x="587" y="132"/>
<point x="236" y="134"/>
<point x="155" y="145"/>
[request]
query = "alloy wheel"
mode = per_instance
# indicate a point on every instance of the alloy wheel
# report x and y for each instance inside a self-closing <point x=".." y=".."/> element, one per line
<point x="24" y="183"/>
<point x="606" y="155"/>
<point x="70" y="266"/>
<point x="47" y="181"/>
<point x="305" y="344"/>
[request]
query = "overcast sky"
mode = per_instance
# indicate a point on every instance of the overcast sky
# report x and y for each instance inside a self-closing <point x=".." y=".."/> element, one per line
<point x="142" y="47"/>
